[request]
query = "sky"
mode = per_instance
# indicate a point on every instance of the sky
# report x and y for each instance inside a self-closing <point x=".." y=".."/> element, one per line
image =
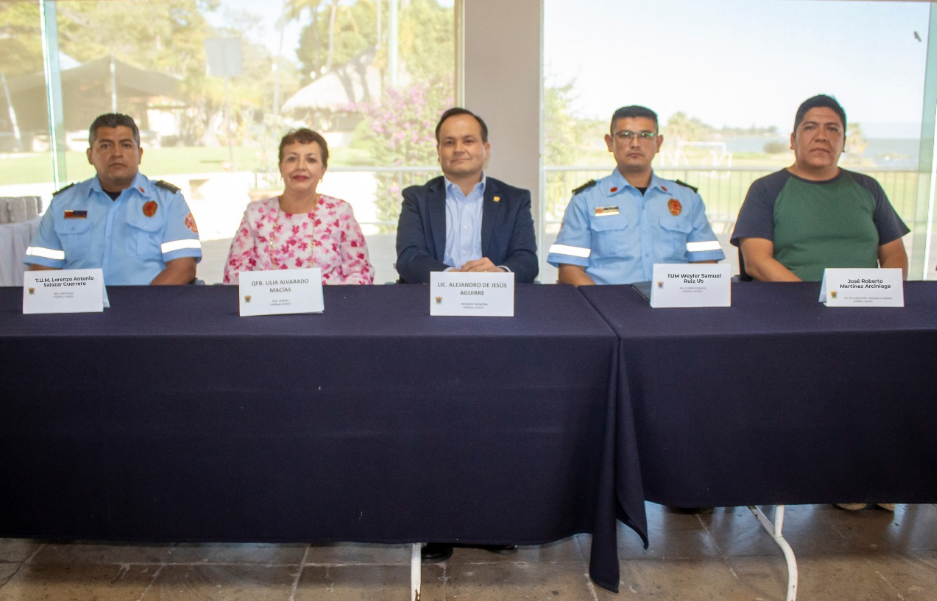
<point x="727" y="62"/>
<point x="742" y="62"/>
<point x="267" y="13"/>
<point x="265" y="30"/>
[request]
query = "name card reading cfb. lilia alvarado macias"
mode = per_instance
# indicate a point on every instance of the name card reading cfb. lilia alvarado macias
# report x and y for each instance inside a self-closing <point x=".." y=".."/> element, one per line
<point x="471" y="294"/>
<point x="685" y="285"/>
<point x="64" y="291"/>
<point x="280" y="292"/>
<point x="862" y="288"/>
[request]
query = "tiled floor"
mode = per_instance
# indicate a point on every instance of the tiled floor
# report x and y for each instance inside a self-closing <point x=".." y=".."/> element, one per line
<point x="870" y="555"/>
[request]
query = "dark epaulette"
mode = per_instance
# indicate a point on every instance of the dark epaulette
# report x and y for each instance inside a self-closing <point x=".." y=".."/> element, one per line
<point x="585" y="186"/>
<point x="59" y="191"/>
<point x="686" y="185"/>
<point x="167" y="186"/>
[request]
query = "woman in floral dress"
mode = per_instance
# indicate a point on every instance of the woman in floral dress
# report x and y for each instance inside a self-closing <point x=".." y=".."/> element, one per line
<point x="301" y="228"/>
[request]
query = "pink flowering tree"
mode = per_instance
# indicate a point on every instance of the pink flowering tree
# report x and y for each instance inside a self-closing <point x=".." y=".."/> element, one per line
<point x="400" y="132"/>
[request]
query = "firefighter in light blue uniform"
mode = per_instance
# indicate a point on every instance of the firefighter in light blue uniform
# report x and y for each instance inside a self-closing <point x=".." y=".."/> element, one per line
<point x="131" y="238"/>
<point x="616" y="233"/>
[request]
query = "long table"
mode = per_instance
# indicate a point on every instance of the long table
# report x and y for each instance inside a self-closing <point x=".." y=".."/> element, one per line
<point x="777" y="399"/>
<point x="169" y="417"/>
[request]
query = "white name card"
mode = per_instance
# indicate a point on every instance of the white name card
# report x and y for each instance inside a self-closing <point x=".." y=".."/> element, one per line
<point x="64" y="291"/>
<point x="691" y="285"/>
<point x="471" y="294"/>
<point x="280" y="292"/>
<point x="862" y="288"/>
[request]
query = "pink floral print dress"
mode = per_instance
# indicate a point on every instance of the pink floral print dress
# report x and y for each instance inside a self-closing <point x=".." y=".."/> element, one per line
<point x="328" y="237"/>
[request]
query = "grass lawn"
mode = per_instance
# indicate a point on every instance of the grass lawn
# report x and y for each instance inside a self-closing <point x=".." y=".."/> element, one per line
<point x="34" y="168"/>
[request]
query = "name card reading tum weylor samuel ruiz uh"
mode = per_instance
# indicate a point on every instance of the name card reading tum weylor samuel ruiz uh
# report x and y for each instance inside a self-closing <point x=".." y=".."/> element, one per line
<point x="855" y="287"/>
<point x="471" y="294"/>
<point x="691" y="285"/>
<point x="280" y="292"/>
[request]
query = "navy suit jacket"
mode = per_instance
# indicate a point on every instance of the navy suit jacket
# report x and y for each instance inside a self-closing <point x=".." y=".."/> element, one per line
<point x="507" y="231"/>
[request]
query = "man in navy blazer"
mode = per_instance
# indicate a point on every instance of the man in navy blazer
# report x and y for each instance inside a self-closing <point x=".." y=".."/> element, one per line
<point x="463" y="220"/>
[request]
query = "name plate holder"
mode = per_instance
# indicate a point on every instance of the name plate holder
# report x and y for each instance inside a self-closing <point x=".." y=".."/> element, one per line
<point x="64" y="291"/>
<point x="843" y="287"/>
<point x="686" y="285"/>
<point x="457" y="294"/>
<point x="280" y="292"/>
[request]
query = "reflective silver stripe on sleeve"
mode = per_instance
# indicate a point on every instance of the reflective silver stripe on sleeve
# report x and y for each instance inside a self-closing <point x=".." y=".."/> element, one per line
<point x="573" y="251"/>
<point x="45" y="253"/>
<point x="169" y="247"/>
<point x="698" y="247"/>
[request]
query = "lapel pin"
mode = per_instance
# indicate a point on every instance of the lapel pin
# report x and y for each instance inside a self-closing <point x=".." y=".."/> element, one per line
<point x="497" y="199"/>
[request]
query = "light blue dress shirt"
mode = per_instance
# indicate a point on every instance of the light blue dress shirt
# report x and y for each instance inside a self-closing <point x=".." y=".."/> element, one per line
<point x="131" y="238"/>
<point x="617" y="234"/>
<point x="463" y="224"/>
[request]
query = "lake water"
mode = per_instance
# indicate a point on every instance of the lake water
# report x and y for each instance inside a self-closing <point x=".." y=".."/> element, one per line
<point x="892" y="153"/>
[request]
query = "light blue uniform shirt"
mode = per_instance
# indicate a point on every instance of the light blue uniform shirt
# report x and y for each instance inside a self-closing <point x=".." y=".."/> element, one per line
<point x="463" y="224"/>
<point x="131" y="239"/>
<point x="617" y="234"/>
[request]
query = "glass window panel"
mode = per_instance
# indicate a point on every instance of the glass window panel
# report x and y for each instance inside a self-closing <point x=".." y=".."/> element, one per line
<point x="331" y="65"/>
<point x="726" y="78"/>
<point x="25" y="159"/>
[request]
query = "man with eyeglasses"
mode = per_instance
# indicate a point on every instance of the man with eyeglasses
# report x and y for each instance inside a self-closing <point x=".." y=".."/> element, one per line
<point x="615" y="230"/>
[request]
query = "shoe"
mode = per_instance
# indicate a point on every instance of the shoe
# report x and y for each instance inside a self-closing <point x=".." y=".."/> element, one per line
<point x="500" y="549"/>
<point x="887" y="506"/>
<point x="435" y="552"/>
<point x="851" y="506"/>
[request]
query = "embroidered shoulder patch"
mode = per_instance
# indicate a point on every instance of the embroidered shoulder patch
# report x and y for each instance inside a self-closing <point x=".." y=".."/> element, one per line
<point x="190" y="223"/>
<point x="60" y="190"/>
<point x="584" y="187"/>
<point x="686" y="185"/>
<point x="167" y="186"/>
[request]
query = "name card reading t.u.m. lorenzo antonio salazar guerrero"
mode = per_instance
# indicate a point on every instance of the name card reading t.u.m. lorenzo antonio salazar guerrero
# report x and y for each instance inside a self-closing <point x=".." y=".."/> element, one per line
<point x="64" y="291"/>
<point x="471" y="294"/>
<point x="280" y="292"/>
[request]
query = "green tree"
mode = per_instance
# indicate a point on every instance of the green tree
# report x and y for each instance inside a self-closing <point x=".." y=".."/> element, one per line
<point x="20" y="38"/>
<point x="681" y="127"/>
<point x="562" y="134"/>
<point x="563" y="139"/>
<point x="166" y="36"/>
<point x="427" y="41"/>
<point x="855" y="141"/>
<point x="350" y="30"/>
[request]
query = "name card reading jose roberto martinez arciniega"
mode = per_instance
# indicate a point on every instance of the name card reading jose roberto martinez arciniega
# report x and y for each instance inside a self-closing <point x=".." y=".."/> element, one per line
<point x="685" y="285"/>
<point x="471" y="294"/>
<point x="64" y="291"/>
<point x="280" y="292"/>
<point x="862" y="288"/>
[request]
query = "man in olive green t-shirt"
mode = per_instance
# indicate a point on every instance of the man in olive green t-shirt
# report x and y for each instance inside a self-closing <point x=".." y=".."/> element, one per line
<point x="797" y="222"/>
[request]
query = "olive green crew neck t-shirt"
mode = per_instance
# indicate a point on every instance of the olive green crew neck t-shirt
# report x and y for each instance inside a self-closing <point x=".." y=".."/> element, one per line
<point x="839" y="222"/>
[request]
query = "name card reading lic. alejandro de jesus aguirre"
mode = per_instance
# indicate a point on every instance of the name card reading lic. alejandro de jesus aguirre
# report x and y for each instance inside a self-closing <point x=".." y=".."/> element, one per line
<point x="471" y="294"/>
<point x="280" y="292"/>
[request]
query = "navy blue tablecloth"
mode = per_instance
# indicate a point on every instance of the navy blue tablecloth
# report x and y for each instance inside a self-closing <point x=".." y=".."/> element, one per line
<point x="778" y="399"/>
<point x="169" y="417"/>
